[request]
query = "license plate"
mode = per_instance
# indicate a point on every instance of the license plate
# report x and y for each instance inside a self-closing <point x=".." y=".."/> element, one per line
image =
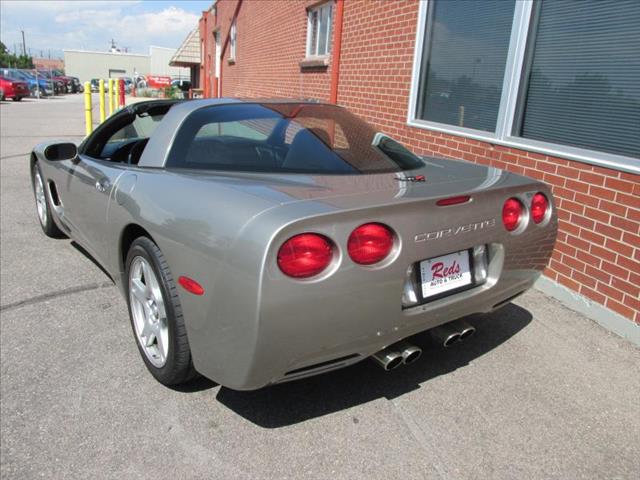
<point x="448" y="272"/>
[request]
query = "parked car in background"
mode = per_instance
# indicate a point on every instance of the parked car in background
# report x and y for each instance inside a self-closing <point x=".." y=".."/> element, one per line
<point x="68" y="83"/>
<point x="59" y="85"/>
<point x="76" y="86"/>
<point x="16" y="90"/>
<point x="45" y="86"/>
<point x="322" y="242"/>
<point x="95" y="84"/>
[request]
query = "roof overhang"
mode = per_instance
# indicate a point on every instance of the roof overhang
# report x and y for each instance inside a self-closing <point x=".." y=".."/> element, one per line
<point x="188" y="54"/>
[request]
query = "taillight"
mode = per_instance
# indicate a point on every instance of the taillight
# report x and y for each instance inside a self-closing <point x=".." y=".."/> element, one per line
<point x="305" y="255"/>
<point x="539" y="206"/>
<point x="512" y="214"/>
<point x="370" y="243"/>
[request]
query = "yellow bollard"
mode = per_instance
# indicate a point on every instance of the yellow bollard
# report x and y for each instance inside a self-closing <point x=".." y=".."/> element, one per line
<point x="88" y="117"/>
<point x="110" y="96"/>
<point x="101" y="93"/>
<point x="117" y="93"/>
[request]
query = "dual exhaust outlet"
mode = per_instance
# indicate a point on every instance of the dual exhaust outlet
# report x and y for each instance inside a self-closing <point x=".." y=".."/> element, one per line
<point x="405" y="353"/>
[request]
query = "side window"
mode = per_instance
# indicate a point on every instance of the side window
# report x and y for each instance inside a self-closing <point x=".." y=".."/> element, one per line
<point x="141" y="127"/>
<point x="127" y="143"/>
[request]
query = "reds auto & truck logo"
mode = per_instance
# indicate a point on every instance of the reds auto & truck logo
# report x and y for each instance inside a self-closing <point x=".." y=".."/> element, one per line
<point x="442" y="273"/>
<point x="453" y="231"/>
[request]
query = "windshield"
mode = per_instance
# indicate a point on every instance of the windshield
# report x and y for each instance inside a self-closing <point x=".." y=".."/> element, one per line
<point x="285" y="138"/>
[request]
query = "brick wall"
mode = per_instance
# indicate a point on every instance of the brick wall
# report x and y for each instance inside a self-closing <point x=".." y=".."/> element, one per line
<point x="598" y="248"/>
<point x="271" y="40"/>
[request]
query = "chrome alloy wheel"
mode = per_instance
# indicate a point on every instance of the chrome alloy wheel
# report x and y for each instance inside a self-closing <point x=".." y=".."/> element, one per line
<point x="148" y="311"/>
<point x="41" y="201"/>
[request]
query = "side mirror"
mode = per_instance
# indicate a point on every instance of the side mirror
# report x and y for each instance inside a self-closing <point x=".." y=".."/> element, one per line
<point x="61" y="151"/>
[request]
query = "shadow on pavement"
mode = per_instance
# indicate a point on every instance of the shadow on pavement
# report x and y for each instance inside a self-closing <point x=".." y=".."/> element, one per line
<point x="81" y="249"/>
<point x="290" y="403"/>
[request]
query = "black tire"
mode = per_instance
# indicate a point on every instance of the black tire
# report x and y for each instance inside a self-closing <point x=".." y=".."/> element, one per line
<point x="178" y="368"/>
<point x="49" y="226"/>
<point x="17" y="99"/>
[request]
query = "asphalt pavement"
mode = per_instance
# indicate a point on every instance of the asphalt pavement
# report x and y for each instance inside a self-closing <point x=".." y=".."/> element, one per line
<point x="539" y="391"/>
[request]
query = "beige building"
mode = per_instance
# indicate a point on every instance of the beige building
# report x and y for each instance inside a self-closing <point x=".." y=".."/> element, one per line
<point x="86" y="64"/>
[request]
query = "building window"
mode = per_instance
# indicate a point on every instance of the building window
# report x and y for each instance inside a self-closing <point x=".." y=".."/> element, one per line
<point x="560" y="77"/>
<point x="232" y="42"/>
<point x="464" y="62"/>
<point x="582" y="76"/>
<point x="319" y="30"/>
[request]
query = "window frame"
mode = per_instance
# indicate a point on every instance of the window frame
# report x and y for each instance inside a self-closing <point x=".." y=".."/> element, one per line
<point x="233" y="32"/>
<point x="318" y="10"/>
<point x="512" y="95"/>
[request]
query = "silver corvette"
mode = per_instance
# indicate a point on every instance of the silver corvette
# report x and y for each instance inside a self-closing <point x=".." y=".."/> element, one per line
<point x="258" y="242"/>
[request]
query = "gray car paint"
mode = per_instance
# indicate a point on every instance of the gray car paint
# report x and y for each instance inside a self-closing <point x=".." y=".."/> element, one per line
<point x="254" y="324"/>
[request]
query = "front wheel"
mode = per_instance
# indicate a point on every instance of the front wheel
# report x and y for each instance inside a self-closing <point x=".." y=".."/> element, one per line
<point x="43" y="207"/>
<point x="156" y="314"/>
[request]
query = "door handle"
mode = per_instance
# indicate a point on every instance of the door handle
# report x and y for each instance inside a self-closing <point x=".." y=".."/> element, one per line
<point x="102" y="185"/>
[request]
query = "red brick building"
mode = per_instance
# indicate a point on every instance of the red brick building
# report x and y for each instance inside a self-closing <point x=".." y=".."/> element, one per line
<point x="545" y="89"/>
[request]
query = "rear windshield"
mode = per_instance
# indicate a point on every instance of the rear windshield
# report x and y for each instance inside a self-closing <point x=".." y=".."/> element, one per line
<point x="285" y="138"/>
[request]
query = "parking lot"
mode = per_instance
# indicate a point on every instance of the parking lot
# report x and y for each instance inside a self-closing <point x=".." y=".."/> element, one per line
<point x="538" y="392"/>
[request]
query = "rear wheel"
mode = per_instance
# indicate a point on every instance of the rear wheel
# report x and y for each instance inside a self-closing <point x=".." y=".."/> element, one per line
<point x="17" y="99"/>
<point x="43" y="207"/>
<point x="156" y="314"/>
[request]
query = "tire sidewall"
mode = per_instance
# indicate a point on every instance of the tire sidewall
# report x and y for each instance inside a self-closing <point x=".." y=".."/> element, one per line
<point x="143" y="247"/>
<point x="48" y="227"/>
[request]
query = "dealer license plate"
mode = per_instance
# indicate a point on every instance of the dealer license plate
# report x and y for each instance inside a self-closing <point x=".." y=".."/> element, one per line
<point x="448" y="272"/>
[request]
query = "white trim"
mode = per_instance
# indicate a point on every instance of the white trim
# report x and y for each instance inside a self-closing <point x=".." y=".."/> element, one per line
<point x="513" y="68"/>
<point x="115" y="54"/>
<point x="508" y="101"/>
<point x="607" y="160"/>
<point x="417" y="61"/>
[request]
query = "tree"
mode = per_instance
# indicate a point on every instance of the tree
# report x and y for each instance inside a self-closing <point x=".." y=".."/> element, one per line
<point x="7" y="59"/>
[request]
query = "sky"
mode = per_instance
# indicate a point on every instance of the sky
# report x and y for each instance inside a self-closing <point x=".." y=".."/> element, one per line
<point x="51" y="26"/>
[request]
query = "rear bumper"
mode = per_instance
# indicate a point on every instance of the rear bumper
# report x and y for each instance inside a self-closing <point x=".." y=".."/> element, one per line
<point x="478" y="300"/>
<point x="311" y="341"/>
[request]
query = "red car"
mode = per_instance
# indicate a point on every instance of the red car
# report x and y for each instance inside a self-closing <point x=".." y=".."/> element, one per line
<point x="13" y="89"/>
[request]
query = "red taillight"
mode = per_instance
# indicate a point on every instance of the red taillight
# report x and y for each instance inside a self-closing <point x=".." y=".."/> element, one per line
<point x="191" y="285"/>
<point x="512" y="214"/>
<point x="539" y="205"/>
<point x="305" y="255"/>
<point x="370" y="243"/>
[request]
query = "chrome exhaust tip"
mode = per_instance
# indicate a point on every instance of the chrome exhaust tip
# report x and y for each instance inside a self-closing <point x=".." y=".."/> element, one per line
<point x="445" y="335"/>
<point x="466" y="330"/>
<point x="388" y="358"/>
<point x="410" y="353"/>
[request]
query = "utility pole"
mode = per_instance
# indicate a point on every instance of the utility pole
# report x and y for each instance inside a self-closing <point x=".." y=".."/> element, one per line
<point x="24" y="45"/>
